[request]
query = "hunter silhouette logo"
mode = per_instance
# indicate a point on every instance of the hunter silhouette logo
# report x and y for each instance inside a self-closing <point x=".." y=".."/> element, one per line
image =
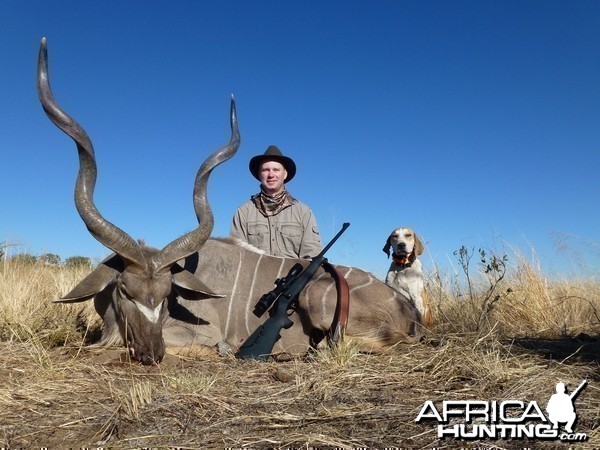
<point x="560" y="406"/>
<point x="508" y="419"/>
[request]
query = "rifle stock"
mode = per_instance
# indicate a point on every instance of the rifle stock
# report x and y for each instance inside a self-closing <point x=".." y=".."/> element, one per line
<point x="260" y="343"/>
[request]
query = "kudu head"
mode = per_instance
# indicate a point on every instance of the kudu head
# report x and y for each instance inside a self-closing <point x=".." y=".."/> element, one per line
<point x="136" y="280"/>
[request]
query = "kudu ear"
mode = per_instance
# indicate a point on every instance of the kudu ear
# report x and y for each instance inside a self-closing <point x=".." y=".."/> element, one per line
<point x="419" y="247"/>
<point x="190" y="282"/>
<point x="387" y="246"/>
<point x="106" y="272"/>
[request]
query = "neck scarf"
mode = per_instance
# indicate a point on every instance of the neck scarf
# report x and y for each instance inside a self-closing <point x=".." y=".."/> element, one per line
<point x="270" y="205"/>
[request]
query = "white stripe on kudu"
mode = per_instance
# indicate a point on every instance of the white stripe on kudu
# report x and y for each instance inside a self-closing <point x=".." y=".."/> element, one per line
<point x="233" y="293"/>
<point x="151" y="314"/>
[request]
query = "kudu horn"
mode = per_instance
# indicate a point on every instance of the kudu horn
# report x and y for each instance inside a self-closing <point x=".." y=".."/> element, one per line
<point x="104" y="231"/>
<point x="193" y="241"/>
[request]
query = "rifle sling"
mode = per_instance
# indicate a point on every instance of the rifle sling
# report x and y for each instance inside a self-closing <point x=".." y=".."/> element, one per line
<point x="340" y="318"/>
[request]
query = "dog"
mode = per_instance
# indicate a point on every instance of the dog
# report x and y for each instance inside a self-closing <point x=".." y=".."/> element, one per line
<point x="406" y="273"/>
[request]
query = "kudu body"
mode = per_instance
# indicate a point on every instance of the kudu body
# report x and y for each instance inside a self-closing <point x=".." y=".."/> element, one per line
<point x="149" y="298"/>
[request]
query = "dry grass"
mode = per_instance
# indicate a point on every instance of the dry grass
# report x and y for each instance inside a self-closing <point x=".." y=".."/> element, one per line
<point x="26" y="311"/>
<point x="55" y="393"/>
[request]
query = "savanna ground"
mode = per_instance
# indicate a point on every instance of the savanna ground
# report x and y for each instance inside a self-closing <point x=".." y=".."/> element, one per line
<point x="505" y="332"/>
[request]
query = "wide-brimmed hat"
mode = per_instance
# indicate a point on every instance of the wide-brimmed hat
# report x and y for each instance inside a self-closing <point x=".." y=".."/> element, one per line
<point x="273" y="154"/>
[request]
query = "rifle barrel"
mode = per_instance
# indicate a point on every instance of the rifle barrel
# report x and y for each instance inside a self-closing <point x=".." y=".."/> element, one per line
<point x="576" y="391"/>
<point x="335" y="238"/>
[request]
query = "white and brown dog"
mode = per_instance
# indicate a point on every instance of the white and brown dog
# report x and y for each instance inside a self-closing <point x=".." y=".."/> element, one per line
<point x="405" y="273"/>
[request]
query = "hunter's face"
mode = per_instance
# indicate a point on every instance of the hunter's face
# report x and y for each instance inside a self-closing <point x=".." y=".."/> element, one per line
<point x="272" y="177"/>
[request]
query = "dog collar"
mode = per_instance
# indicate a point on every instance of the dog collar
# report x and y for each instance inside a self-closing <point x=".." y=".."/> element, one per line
<point x="405" y="261"/>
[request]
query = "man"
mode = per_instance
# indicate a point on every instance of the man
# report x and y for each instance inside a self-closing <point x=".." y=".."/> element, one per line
<point x="560" y="408"/>
<point x="272" y="220"/>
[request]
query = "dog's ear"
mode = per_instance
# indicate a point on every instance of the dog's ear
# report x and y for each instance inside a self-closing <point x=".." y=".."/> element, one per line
<point x="419" y="248"/>
<point x="387" y="246"/>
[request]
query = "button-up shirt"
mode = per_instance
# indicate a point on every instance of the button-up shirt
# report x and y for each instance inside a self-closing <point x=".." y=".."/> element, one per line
<point x="291" y="233"/>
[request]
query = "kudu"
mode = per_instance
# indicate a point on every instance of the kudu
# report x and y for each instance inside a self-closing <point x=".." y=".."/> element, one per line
<point x="149" y="298"/>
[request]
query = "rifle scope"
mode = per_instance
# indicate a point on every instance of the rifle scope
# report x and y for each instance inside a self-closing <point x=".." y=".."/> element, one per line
<point x="269" y="298"/>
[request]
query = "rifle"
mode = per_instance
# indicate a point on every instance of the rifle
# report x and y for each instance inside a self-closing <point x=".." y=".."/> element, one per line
<point x="576" y="391"/>
<point x="260" y="343"/>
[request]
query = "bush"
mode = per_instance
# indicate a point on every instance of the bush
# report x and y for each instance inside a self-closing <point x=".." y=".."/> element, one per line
<point x="79" y="261"/>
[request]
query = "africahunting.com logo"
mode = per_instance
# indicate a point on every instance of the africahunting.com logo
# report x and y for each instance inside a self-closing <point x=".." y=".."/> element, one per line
<point x="509" y="419"/>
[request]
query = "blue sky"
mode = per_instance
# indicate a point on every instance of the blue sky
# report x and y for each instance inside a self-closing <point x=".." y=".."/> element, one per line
<point x="474" y="122"/>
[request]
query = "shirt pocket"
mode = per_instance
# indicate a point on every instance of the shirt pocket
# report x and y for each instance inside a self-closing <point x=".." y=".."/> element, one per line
<point x="258" y="235"/>
<point x="290" y="238"/>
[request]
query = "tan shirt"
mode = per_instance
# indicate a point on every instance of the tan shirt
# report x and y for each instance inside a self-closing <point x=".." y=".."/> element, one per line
<point x="292" y="233"/>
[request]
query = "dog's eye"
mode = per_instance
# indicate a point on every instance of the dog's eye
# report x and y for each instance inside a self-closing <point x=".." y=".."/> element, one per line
<point x="408" y="235"/>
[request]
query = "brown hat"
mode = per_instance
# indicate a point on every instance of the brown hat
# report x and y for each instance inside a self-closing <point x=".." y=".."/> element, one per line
<point x="273" y="154"/>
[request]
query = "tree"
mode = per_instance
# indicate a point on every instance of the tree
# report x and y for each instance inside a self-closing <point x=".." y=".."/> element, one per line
<point x="78" y="261"/>
<point x="51" y="259"/>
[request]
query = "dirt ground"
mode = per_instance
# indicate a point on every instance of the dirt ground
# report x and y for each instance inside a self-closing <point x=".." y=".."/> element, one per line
<point x="70" y="397"/>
